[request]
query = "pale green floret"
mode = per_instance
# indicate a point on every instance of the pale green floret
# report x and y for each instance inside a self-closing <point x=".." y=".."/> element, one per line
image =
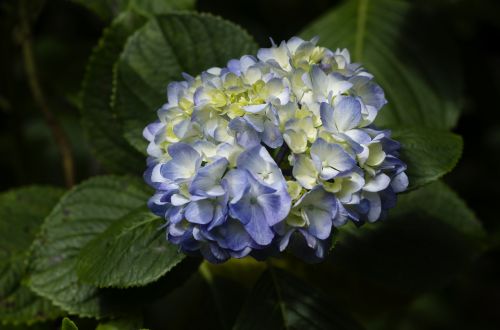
<point x="294" y="189"/>
<point x="305" y="172"/>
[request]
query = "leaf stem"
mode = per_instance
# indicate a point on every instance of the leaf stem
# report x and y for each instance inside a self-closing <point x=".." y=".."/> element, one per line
<point x="51" y="121"/>
<point x="281" y="302"/>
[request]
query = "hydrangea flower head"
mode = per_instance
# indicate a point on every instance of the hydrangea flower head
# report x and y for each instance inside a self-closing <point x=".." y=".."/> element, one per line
<point x="271" y="153"/>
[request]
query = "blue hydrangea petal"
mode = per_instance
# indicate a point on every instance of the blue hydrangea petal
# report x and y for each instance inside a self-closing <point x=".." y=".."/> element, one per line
<point x="236" y="184"/>
<point x="378" y="183"/>
<point x="200" y="212"/>
<point x="207" y="181"/>
<point x="262" y="166"/>
<point x="271" y="135"/>
<point x="246" y="136"/>
<point x="347" y="113"/>
<point x="258" y="228"/>
<point x="330" y="159"/>
<point x="233" y="236"/>
<point x="184" y="163"/>
<point x="400" y="182"/>
<point x="275" y="206"/>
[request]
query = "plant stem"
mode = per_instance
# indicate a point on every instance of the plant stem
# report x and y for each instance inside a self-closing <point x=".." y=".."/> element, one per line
<point x="57" y="131"/>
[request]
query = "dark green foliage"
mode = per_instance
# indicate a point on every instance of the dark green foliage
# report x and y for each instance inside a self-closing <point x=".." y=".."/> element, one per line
<point x="97" y="254"/>
<point x="67" y="324"/>
<point x="280" y="301"/>
<point x="21" y="214"/>
<point x="102" y="128"/>
<point x="429" y="153"/>
<point x="82" y="214"/>
<point x="136" y="239"/>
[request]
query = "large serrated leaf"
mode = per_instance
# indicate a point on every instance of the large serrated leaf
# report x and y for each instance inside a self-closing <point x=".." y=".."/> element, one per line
<point x="21" y="214"/>
<point x="429" y="153"/>
<point x="429" y="237"/>
<point x="81" y="215"/>
<point x="427" y="240"/>
<point x="100" y="124"/>
<point x="281" y="301"/>
<point x="159" y="52"/>
<point x="136" y="239"/>
<point x="422" y="88"/>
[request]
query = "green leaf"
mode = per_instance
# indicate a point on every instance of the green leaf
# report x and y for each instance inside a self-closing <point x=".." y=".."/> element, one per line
<point x="388" y="38"/>
<point x="82" y="214"/>
<point x="159" y="52"/>
<point x="281" y="301"/>
<point x="67" y="324"/>
<point x="108" y="9"/>
<point x="136" y="239"/>
<point x="105" y="9"/>
<point x="439" y="201"/>
<point x="229" y="295"/>
<point x="428" y="239"/>
<point x="155" y="7"/>
<point x="429" y="153"/>
<point x="121" y="324"/>
<point x="190" y="306"/>
<point x="100" y="124"/>
<point x="21" y="214"/>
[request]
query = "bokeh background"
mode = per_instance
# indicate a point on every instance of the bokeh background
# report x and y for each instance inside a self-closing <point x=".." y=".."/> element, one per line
<point x="64" y="33"/>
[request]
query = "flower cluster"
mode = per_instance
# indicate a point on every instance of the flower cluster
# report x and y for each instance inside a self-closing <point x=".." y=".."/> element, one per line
<point x="270" y="153"/>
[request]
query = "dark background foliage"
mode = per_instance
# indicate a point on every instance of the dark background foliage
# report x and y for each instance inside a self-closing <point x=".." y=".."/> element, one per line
<point x="64" y="34"/>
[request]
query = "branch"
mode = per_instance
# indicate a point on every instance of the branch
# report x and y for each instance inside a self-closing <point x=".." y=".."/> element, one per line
<point x="57" y="131"/>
